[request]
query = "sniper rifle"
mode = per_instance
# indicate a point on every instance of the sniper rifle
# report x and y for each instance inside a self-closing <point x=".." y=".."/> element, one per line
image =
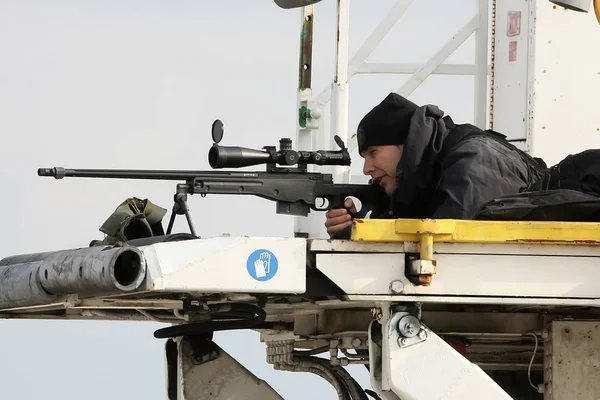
<point x="294" y="190"/>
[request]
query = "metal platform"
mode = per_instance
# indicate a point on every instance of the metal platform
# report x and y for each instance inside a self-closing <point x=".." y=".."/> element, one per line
<point x="467" y="262"/>
<point x="532" y="264"/>
<point x="493" y="290"/>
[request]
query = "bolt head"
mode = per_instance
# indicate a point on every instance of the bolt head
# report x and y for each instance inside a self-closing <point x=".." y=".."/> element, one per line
<point x="409" y="326"/>
<point x="396" y="287"/>
<point x="545" y="334"/>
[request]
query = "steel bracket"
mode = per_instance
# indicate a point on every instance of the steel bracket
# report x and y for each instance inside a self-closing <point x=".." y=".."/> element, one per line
<point x="309" y="113"/>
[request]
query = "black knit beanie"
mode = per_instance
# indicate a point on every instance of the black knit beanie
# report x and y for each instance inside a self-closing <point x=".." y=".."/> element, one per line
<point x="387" y="123"/>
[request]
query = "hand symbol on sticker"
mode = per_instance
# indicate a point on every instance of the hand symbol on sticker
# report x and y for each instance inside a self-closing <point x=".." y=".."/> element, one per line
<point x="259" y="268"/>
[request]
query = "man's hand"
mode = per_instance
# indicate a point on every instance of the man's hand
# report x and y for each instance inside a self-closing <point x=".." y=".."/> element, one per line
<point x="340" y="218"/>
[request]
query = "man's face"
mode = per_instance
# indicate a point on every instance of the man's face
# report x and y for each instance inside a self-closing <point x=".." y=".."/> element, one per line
<point x="381" y="163"/>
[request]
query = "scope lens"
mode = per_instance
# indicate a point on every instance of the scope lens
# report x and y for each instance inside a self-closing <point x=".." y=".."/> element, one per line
<point x="213" y="156"/>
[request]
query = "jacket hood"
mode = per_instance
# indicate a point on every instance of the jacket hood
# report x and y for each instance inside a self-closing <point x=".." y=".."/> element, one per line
<point x="417" y="173"/>
<point x="387" y="123"/>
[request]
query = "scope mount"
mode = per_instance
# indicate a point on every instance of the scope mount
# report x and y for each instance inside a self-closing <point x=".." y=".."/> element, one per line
<point x="286" y="156"/>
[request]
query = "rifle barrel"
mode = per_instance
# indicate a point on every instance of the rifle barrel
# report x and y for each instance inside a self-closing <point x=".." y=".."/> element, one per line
<point x="60" y="172"/>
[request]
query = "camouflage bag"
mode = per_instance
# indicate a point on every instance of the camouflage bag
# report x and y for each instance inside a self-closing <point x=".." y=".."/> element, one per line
<point x="132" y="219"/>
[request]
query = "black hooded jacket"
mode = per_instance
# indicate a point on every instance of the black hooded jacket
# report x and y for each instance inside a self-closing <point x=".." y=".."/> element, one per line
<point x="450" y="171"/>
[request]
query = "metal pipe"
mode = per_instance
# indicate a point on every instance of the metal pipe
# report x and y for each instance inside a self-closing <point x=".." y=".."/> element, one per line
<point x="19" y="286"/>
<point x="303" y="226"/>
<point x="340" y="89"/>
<point x="508" y="366"/>
<point x="83" y="271"/>
<point x="488" y="335"/>
<point x="481" y="64"/>
<point x="306" y="49"/>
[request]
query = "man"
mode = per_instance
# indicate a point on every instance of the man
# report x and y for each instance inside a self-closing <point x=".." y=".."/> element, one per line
<point x="432" y="168"/>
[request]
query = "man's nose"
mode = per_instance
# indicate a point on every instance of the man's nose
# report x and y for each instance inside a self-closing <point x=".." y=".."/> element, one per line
<point x="367" y="167"/>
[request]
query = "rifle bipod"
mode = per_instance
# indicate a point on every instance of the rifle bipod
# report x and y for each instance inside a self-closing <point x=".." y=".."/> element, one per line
<point x="180" y="207"/>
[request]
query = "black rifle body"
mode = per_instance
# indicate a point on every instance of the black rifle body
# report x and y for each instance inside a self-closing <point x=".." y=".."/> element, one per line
<point x="295" y="192"/>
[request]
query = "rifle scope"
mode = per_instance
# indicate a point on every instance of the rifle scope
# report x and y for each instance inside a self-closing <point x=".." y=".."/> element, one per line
<point x="236" y="157"/>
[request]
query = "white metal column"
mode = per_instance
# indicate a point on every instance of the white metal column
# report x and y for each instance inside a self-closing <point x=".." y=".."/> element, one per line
<point x="339" y="90"/>
<point x="305" y="139"/>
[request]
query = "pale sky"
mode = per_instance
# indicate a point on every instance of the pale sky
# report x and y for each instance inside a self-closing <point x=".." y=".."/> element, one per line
<point x="137" y="84"/>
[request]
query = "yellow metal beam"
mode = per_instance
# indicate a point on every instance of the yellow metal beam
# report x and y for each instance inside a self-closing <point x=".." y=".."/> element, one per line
<point x="468" y="231"/>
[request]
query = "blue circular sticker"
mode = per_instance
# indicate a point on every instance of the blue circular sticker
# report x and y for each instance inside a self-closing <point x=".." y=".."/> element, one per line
<point x="262" y="265"/>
